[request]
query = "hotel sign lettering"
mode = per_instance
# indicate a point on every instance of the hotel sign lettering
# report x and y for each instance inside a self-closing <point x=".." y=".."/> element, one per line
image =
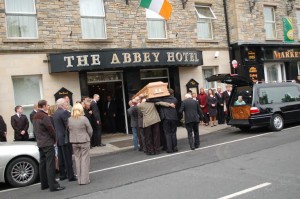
<point x="286" y="54"/>
<point x="94" y="60"/>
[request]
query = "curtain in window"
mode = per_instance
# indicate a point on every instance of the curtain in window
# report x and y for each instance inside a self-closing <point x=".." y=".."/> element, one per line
<point x="270" y="30"/>
<point x="272" y="73"/>
<point x="20" y="6"/>
<point x="92" y="8"/>
<point x="207" y="73"/>
<point x="204" y="29"/>
<point x="156" y="29"/>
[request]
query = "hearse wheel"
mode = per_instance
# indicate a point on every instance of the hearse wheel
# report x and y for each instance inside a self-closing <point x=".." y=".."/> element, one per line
<point x="276" y="123"/>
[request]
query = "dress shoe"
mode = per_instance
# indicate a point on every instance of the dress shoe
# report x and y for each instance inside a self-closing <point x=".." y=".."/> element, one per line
<point x="73" y="179"/>
<point x="196" y="147"/>
<point x="150" y="153"/>
<point x="62" y="178"/>
<point x="169" y="151"/>
<point x="175" y="149"/>
<point x="58" y="189"/>
<point x="192" y="148"/>
<point x="43" y="188"/>
<point x="102" y="145"/>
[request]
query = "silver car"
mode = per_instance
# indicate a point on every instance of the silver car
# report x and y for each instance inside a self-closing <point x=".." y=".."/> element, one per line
<point x="19" y="163"/>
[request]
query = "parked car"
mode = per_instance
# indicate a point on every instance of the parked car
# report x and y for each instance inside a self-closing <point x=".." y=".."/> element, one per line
<point x="260" y="104"/>
<point x="19" y="163"/>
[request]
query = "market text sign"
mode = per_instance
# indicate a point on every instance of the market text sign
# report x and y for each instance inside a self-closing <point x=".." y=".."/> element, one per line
<point x="287" y="54"/>
<point x="123" y="58"/>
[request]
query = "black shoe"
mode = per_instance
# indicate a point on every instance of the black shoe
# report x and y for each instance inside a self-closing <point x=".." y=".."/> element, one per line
<point x="192" y="148"/>
<point x="169" y="151"/>
<point x="62" y="178"/>
<point x="73" y="179"/>
<point x="43" y="188"/>
<point x="175" y="149"/>
<point x="150" y="153"/>
<point x="58" y="189"/>
<point x="102" y="145"/>
<point x="196" y="147"/>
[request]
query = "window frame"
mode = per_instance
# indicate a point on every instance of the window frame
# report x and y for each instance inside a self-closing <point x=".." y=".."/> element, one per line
<point x="270" y="22"/>
<point x="93" y="17"/>
<point x="21" y="14"/>
<point x="298" y="21"/>
<point x="205" y="81"/>
<point x="280" y="69"/>
<point x="208" y="20"/>
<point x="156" y="19"/>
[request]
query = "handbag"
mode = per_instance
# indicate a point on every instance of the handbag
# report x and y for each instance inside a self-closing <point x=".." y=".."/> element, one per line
<point x="67" y="136"/>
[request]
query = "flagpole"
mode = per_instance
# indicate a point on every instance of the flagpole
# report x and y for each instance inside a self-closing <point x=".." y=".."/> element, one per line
<point x="130" y="42"/>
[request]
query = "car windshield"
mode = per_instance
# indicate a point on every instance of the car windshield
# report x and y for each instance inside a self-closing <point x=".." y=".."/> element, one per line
<point x="242" y="96"/>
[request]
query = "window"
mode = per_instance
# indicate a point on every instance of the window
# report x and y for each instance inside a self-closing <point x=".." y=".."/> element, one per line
<point x="274" y="95"/>
<point x="204" y="22"/>
<point x="207" y="72"/>
<point x="270" y="25"/>
<point x="27" y="92"/>
<point x="298" y="22"/>
<point x="92" y="19"/>
<point x="274" y="72"/>
<point x="154" y="75"/>
<point x="298" y="68"/>
<point x="21" y="19"/>
<point x="245" y="94"/>
<point x="156" y="25"/>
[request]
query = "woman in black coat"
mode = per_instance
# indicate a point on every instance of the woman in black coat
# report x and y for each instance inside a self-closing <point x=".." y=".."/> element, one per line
<point x="212" y="107"/>
<point x="3" y="130"/>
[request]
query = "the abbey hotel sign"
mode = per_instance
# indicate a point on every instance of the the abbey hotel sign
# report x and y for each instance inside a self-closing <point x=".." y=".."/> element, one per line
<point x="120" y="58"/>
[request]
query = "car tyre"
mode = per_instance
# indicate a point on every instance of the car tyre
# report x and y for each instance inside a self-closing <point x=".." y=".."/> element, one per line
<point x="276" y="123"/>
<point x="22" y="171"/>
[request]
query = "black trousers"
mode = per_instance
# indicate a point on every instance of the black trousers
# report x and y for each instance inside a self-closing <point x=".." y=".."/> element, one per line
<point x="152" y="138"/>
<point x="141" y="138"/>
<point x="111" y="124"/>
<point x="47" y="168"/>
<point x="170" y="128"/>
<point x="194" y="141"/>
<point x="96" y="137"/>
<point x="220" y="114"/>
<point x="65" y="161"/>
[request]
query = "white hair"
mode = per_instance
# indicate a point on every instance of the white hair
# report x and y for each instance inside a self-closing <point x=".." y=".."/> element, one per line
<point x="60" y="102"/>
<point x="188" y="95"/>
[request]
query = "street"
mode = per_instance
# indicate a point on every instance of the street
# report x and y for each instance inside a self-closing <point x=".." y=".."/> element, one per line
<point x="228" y="164"/>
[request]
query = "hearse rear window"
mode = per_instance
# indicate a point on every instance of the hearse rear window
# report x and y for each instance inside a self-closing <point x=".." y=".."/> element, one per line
<point x="243" y="96"/>
<point x="272" y="95"/>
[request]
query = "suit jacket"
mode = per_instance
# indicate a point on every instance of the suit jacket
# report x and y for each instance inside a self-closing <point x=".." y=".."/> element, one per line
<point x="166" y="113"/>
<point x="219" y="97"/>
<point x="31" y="115"/>
<point x="80" y="130"/>
<point x="44" y="130"/>
<point x="60" y="119"/>
<point x="150" y="114"/>
<point x="95" y="113"/>
<point x="226" y="97"/>
<point x="133" y="113"/>
<point x="111" y="109"/>
<point x="3" y="128"/>
<point x="191" y="109"/>
<point x="20" y="124"/>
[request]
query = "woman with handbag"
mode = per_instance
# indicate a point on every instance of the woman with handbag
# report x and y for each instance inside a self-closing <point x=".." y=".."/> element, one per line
<point x="81" y="132"/>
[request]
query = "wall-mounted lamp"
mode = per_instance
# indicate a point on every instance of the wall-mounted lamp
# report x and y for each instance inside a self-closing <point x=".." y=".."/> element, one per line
<point x="252" y="4"/>
<point x="290" y="6"/>
<point x="217" y="53"/>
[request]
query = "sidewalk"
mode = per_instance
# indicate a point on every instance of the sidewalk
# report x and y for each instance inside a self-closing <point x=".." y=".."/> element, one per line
<point x="121" y="142"/>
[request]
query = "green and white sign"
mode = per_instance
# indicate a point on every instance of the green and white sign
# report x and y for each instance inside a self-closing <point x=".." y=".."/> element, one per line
<point x="288" y="29"/>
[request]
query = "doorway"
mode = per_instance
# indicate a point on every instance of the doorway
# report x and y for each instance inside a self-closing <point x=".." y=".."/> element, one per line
<point x="109" y="85"/>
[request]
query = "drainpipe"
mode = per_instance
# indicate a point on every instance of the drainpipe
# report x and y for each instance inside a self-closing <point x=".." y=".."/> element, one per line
<point x="227" y="32"/>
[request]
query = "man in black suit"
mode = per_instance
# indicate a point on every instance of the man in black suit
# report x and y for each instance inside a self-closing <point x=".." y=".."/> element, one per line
<point x="60" y="119"/>
<point x="20" y="124"/>
<point x="220" y="106"/>
<point x="193" y="114"/>
<point x="45" y="137"/>
<point x="226" y="96"/>
<point x="34" y="111"/>
<point x="3" y="130"/>
<point x="96" y="122"/>
<point x="110" y="111"/>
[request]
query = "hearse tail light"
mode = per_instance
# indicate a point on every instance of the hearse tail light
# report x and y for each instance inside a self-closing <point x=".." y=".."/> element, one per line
<point x="254" y="110"/>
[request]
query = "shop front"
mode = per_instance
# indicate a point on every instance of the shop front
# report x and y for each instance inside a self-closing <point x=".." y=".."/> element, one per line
<point x="267" y="62"/>
<point x="121" y="73"/>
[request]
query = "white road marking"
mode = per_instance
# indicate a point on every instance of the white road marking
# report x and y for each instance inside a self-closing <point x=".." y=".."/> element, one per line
<point x="174" y="154"/>
<point x="246" y="191"/>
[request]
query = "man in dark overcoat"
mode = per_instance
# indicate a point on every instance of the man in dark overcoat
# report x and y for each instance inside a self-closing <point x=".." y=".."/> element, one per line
<point x="20" y="124"/>
<point x="96" y="122"/>
<point x="3" y="130"/>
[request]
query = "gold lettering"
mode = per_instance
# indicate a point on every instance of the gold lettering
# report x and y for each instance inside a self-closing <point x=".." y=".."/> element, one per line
<point x="137" y="57"/>
<point x="156" y="54"/>
<point x="171" y="57"/>
<point x="127" y="58"/>
<point x="292" y="54"/>
<point x="277" y="55"/>
<point x="115" y="59"/>
<point x="82" y="60"/>
<point x="179" y="56"/>
<point x="297" y="54"/>
<point x="287" y="54"/>
<point x="146" y="57"/>
<point x="282" y="55"/>
<point x="95" y="60"/>
<point x="69" y="61"/>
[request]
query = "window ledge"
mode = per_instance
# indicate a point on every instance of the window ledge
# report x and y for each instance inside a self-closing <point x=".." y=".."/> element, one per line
<point x="22" y="41"/>
<point x="95" y="40"/>
<point x="273" y="39"/>
<point x="159" y="41"/>
<point x="207" y="41"/>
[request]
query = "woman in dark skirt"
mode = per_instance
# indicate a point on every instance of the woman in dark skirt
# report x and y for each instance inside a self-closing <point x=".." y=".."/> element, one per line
<point x="212" y="107"/>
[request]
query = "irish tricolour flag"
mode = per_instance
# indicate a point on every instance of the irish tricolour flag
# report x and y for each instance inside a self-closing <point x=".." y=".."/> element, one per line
<point x="162" y="7"/>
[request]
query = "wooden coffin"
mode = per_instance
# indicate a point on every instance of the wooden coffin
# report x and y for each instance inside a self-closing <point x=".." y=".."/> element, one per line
<point x="240" y="112"/>
<point x="154" y="89"/>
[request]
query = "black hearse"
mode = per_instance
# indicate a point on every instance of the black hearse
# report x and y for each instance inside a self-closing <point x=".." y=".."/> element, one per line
<point x="260" y="104"/>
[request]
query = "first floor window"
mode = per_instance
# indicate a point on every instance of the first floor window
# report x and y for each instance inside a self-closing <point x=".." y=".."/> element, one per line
<point x="21" y="19"/>
<point x="207" y="72"/>
<point x="92" y="19"/>
<point x="27" y="92"/>
<point x="298" y="68"/>
<point x="205" y="15"/>
<point x="274" y="72"/>
<point x="270" y="23"/>
<point x="298" y="22"/>
<point x="156" y="25"/>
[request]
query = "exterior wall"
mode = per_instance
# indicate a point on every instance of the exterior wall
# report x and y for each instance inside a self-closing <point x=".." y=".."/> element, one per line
<point x="31" y="64"/>
<point x="249" y="27"/>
